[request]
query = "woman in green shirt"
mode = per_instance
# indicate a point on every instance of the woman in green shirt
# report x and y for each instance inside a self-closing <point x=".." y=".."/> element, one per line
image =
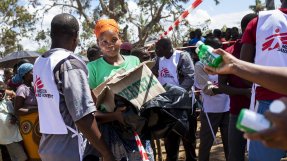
<point x="107" y="33"/>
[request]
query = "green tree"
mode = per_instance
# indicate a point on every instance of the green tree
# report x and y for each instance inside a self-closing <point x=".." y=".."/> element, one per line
<point x="42" y="49"/>
<point x="15" y="22"/>
<point x="146" y="24"/>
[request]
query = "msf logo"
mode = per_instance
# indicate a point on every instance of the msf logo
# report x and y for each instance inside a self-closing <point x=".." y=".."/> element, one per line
<point x="277" y="41"/>
<point x="39" y="89"/>
<point x="165" y="73"/>
<point x="38" y="84"/>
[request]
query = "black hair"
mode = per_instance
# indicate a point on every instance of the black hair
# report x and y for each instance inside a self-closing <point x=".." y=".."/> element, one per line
<point x="125" y="52"/>
<point x="234" y="29"/>
<point x="217" y="33"/>
<point x="19" y="63"/>
<point x="64" y="25"/>
<point x="246" y="19"/>
<point x="141" y="54"/>
<point x="93" y="51"/>
<point x="198" y="33"/>
<point x="164" y="42"/>
<point x="192" y="34"/>
<point x="213" y="42"/>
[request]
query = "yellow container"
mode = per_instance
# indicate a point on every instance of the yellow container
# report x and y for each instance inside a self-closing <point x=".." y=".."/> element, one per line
<point x="30" y="131"/>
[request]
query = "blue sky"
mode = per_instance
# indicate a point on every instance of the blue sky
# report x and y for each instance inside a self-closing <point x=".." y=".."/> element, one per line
<point x="228" y="6"/>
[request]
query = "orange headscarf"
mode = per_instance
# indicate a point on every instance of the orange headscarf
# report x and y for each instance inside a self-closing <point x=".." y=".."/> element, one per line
<point x="105" y="25"/>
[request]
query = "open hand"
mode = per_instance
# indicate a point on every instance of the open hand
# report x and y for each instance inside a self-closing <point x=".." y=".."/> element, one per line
<point x="274" y="137"/>
<point x="227" y="65"/>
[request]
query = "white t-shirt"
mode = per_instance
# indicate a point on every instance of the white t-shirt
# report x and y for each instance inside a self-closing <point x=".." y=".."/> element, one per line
<point x="9" y="133"/>
<point x="213" y="104"/>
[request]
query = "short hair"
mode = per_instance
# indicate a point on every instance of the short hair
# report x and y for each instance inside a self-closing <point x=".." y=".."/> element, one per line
<point x="234" y="29"/>
<point x="93" y="51"/>
<point x="164" y="42"/>
<point x="140" y="53"/>
<point x="19" y="63"/>
<point x="198" y="33"/>
<point x="217" y="33"/>
<point x="64" y="24"/>
<point x="192" y="34"/>
<point x="246" y="19"/>
<point x="213" y="42"/>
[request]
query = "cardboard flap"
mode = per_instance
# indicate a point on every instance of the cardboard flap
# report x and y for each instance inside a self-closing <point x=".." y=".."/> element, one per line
<point x="149" y="64"/>
<point x="138" y="86"/>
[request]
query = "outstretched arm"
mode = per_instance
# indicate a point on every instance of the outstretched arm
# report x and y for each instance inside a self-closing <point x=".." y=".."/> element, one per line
<point x="272" y="78"/>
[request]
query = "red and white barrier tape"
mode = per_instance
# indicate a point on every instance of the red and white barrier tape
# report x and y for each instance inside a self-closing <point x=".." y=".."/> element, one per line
<point x="181" y="17"/>
<point x="186" y="47"/>
<point x="141" y="148"/>
<point x="223" y="43"/>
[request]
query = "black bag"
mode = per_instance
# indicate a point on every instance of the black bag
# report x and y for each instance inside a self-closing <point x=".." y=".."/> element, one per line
<point x="165" y="113"/>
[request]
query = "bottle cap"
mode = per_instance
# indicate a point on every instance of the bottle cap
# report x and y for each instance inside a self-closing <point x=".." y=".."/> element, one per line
<point x="277" y="106"/>
<point x="197" y="50"/>
<point x="199" y="43"/>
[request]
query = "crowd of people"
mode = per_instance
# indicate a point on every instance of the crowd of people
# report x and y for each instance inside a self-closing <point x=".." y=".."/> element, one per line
<point x="47" y="109"/>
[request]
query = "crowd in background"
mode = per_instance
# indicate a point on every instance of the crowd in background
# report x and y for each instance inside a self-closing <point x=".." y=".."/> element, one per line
<point x="219" y="98"/>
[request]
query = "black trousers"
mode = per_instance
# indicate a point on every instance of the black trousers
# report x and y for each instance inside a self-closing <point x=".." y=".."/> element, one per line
<point x="172" y="142"/>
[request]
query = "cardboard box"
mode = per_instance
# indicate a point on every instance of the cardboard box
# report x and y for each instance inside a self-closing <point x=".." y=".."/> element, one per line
<point x="138" y="86"/>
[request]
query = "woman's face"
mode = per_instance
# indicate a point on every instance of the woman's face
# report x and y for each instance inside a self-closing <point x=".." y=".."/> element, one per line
<point x="28" y="77"/>
<point x="110" y="43"/>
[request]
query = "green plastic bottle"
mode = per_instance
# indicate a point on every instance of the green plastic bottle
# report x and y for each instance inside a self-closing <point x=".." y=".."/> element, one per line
<point x="206" y="56"/>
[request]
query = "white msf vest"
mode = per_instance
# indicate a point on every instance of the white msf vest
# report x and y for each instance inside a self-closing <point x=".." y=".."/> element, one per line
<point x="167" y="71"/>
<point x="47" y="94"/>
<point x="217" y="103"/>
<point x="48" y="97"/>
<point x="271" y="39"/>
<point x="271" y="48"/>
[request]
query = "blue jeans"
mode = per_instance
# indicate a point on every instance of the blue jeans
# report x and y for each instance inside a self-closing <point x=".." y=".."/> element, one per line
<point x="259" y="152"/>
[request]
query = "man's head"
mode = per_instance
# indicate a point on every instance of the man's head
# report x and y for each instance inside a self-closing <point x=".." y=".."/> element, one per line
<point x="163" y="48"/>
<point x="94" y="53"/>
<point x="65" y="31"/>
<point x="213" y="42"/>
<point x="228" y="34"/>
<point x="192" y="34"/>
<point x="246" y="19"/>
<point x="107" y="33"/>
<point x="198" y="33"/>
<point x="18" y="64"/>
<point x="234" y="33"/>
<point x="126" y="48"/>
<point x="217" y="33"/>
<point x="141" y="54"/>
